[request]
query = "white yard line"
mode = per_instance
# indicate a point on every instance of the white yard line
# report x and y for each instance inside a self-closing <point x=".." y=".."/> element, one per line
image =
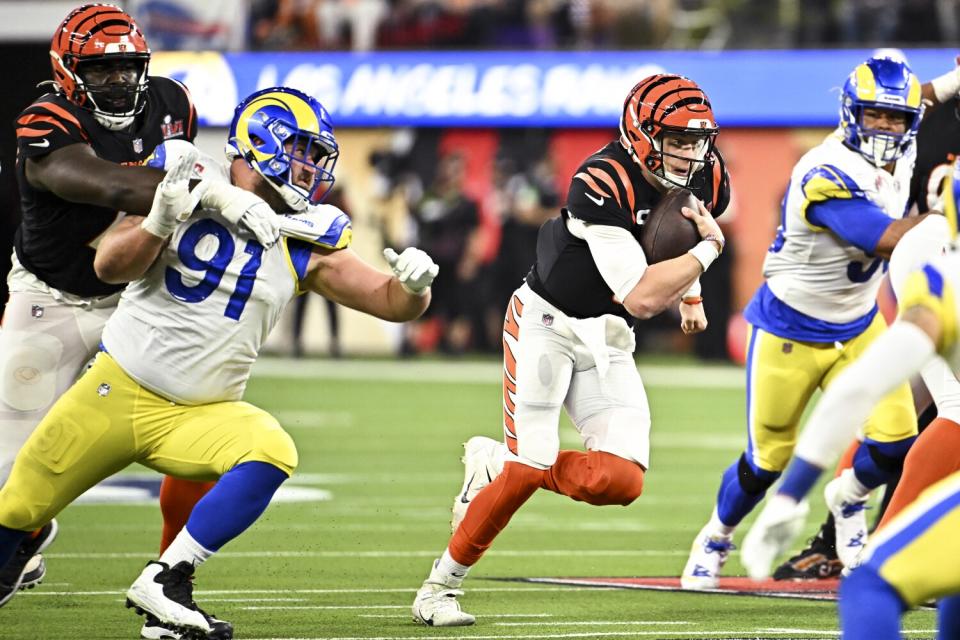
<point x="204" y="593"/>
<point x="598" y="623"/>
<point x="693" y="377"/>
<point x="712" y="634"/>
<point x="549" y="553"/>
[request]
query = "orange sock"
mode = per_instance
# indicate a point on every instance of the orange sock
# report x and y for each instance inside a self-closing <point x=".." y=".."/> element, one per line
<point x="934" y="455"/>
<point x="492" y="509"/>
<point x="177" y="499"/>
<point x="846" y="460"/>
<point x="595" y="477"/>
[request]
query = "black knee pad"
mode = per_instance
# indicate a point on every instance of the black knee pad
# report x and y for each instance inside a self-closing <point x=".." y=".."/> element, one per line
<point x="751" y="482"/>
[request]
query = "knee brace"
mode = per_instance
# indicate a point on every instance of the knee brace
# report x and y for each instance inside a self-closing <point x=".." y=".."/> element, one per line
<point x="28" y="369"/>
<point x="754" y="480"/>
<point x="612" y="480"/>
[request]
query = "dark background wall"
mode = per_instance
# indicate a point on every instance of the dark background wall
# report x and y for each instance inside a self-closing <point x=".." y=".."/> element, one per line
<point x="27" y="65"/>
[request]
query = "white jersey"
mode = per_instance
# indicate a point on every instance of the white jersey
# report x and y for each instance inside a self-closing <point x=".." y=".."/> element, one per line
<point x="935" y="286"/>
<point x="813" y="270"/>
<point x="191" y="328"/>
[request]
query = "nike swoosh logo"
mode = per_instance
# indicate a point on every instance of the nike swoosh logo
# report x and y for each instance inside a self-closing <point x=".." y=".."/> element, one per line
<point x="597" y="201"/>
<point x="43" y="143"/>
<point x="463" y="498"/>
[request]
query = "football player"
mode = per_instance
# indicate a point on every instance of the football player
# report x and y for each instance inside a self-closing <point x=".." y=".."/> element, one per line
<point x="567" y="338"/>
<point x="165" y="389"/>
<point x="816" y="313"/>
<point x="104" y="111"/>
<point x="938" y="143"/>
<point x="912" y="558"/>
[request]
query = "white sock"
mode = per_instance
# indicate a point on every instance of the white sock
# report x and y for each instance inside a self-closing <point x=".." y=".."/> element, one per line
<point x="851" y="490"/>
<point x="447" y="571"/>
<point x="185" y="548"/>
<point x="717" y="528"/>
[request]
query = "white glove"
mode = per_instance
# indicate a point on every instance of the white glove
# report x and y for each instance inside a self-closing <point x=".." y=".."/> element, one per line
<point x="245" y="209"/>
<point x="772" y="534"/>
<point x="173" y="201"/>
<point x="414" y="268"/>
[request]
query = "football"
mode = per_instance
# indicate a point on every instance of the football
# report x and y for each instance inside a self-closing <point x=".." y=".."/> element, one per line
<point x="666" y="233"/>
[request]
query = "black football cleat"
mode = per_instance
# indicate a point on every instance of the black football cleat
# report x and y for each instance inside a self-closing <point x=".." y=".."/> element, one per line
<point x="818" y="561"/>
<point x="12" y="575"/>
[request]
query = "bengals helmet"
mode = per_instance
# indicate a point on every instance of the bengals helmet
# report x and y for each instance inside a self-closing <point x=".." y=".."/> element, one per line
<point x="665" y="104"/>
<point x="101" y="33"/>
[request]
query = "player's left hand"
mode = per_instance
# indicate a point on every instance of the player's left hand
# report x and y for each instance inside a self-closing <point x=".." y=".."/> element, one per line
<point x="173" y="200"/>
<point x="414" y="268"/>
<point x="693" y="319"/>
<point x="772" y="534"/>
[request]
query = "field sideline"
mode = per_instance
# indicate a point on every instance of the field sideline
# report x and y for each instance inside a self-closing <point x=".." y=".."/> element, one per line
<point x="340" y="555"/>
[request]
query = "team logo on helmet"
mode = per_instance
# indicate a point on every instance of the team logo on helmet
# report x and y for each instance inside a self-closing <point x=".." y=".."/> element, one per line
<point x="662" y="107"/>
<point x="287" y="137"/>
<point x="101" y="33"/>
<point x="885" y="83"/>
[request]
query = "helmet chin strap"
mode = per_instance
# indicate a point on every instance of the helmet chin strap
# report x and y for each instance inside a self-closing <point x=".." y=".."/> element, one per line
<point x="113" y="123"/>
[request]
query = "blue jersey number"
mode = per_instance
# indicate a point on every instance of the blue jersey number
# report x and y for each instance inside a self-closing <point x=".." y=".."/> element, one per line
<point x="858" y="272"/>
<point x="214" y="267"/>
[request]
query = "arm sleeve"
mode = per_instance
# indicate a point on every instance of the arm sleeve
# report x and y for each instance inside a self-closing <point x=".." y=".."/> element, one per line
<point x="835" y="202"/>
<point x="617" y="254"/>
<point x="898" y="354"/>
<point x="858" y="221"/>
<point x="46" y="126"/>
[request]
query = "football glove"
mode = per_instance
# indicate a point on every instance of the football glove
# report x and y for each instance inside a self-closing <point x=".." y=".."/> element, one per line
<point x="173" y="200"/>
<point x="243" y="209"/>
<point x="414" y="268"/>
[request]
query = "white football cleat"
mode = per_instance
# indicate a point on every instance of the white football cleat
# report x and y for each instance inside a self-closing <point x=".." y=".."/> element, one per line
<point x="772" y="534"/>
<point x="482" y="462"/>
<point x="166" y="594"/>
<point x="153" y="629"/>
<point x="707" y="556"/>
<point x="850" y="521"/>
<point x="436" y="606"/>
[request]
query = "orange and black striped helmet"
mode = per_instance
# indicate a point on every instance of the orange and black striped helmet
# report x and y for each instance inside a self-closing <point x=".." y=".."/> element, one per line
<point x="100" y="32"/>
<point x="667" y="104"/>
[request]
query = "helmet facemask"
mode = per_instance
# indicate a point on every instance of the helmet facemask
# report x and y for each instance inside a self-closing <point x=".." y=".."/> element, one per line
<point x="880" y="147"/>
<point x="114" y="104"/>
<point x="679" y="156"/>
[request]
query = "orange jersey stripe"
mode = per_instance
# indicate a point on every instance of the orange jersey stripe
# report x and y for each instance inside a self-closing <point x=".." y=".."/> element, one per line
<point x="510" y="325"/>
<point x="32" y="118"/>
<point x="32" y="133"/>
<point x="607" y="180"/>
<point x="624" y="180"/>
<point x="63" y="113"/>
<point x="592" y="184"/>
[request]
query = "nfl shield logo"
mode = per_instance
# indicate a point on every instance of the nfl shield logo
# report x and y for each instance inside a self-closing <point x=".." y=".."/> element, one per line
<point x="787" y="347"/>
<point x="547" y="320"/>
<point x="36" y="311"/>
<point x="138" y="145"/>
<point x="103" y="390"/>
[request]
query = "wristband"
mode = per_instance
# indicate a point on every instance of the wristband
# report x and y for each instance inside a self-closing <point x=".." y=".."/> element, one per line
<point x="705" y="252"/>
<point x="692" y="300"/>
<point x="946" y="86"/>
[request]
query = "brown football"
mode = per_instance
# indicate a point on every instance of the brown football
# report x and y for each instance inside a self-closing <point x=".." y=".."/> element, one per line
<point x="666" y="233"/>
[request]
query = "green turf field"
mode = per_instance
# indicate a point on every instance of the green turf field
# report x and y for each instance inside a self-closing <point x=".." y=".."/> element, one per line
<point x="384" y="440"/>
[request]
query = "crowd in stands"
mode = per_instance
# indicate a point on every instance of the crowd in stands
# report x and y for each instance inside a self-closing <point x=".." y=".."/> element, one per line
<point x="363" y="25"/>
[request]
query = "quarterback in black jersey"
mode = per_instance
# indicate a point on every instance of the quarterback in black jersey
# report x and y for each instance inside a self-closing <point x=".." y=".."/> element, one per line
<point x="104" y="112"/>
<point x="567" y="338"/>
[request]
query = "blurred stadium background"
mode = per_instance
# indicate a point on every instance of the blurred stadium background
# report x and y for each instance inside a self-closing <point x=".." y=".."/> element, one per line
<point x="460" y="124"/>
<point x="462" y="121"/>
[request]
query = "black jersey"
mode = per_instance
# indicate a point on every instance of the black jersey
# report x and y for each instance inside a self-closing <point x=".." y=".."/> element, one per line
<point x="938" y="143"/>
<point x="565" y="274"/>
<point x="56" y="239"/>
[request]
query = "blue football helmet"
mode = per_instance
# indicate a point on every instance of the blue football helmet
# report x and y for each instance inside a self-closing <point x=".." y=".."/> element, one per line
<point x="880" y="83"/>
<point x="287" y="137"/>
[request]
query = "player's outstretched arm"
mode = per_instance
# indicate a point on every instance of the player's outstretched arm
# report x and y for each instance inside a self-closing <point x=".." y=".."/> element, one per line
<point x="76" y="174"/>
<point x="342" y="276"/>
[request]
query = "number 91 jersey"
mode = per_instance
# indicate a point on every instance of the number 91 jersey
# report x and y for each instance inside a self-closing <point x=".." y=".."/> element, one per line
<point x="191" y="328"/>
